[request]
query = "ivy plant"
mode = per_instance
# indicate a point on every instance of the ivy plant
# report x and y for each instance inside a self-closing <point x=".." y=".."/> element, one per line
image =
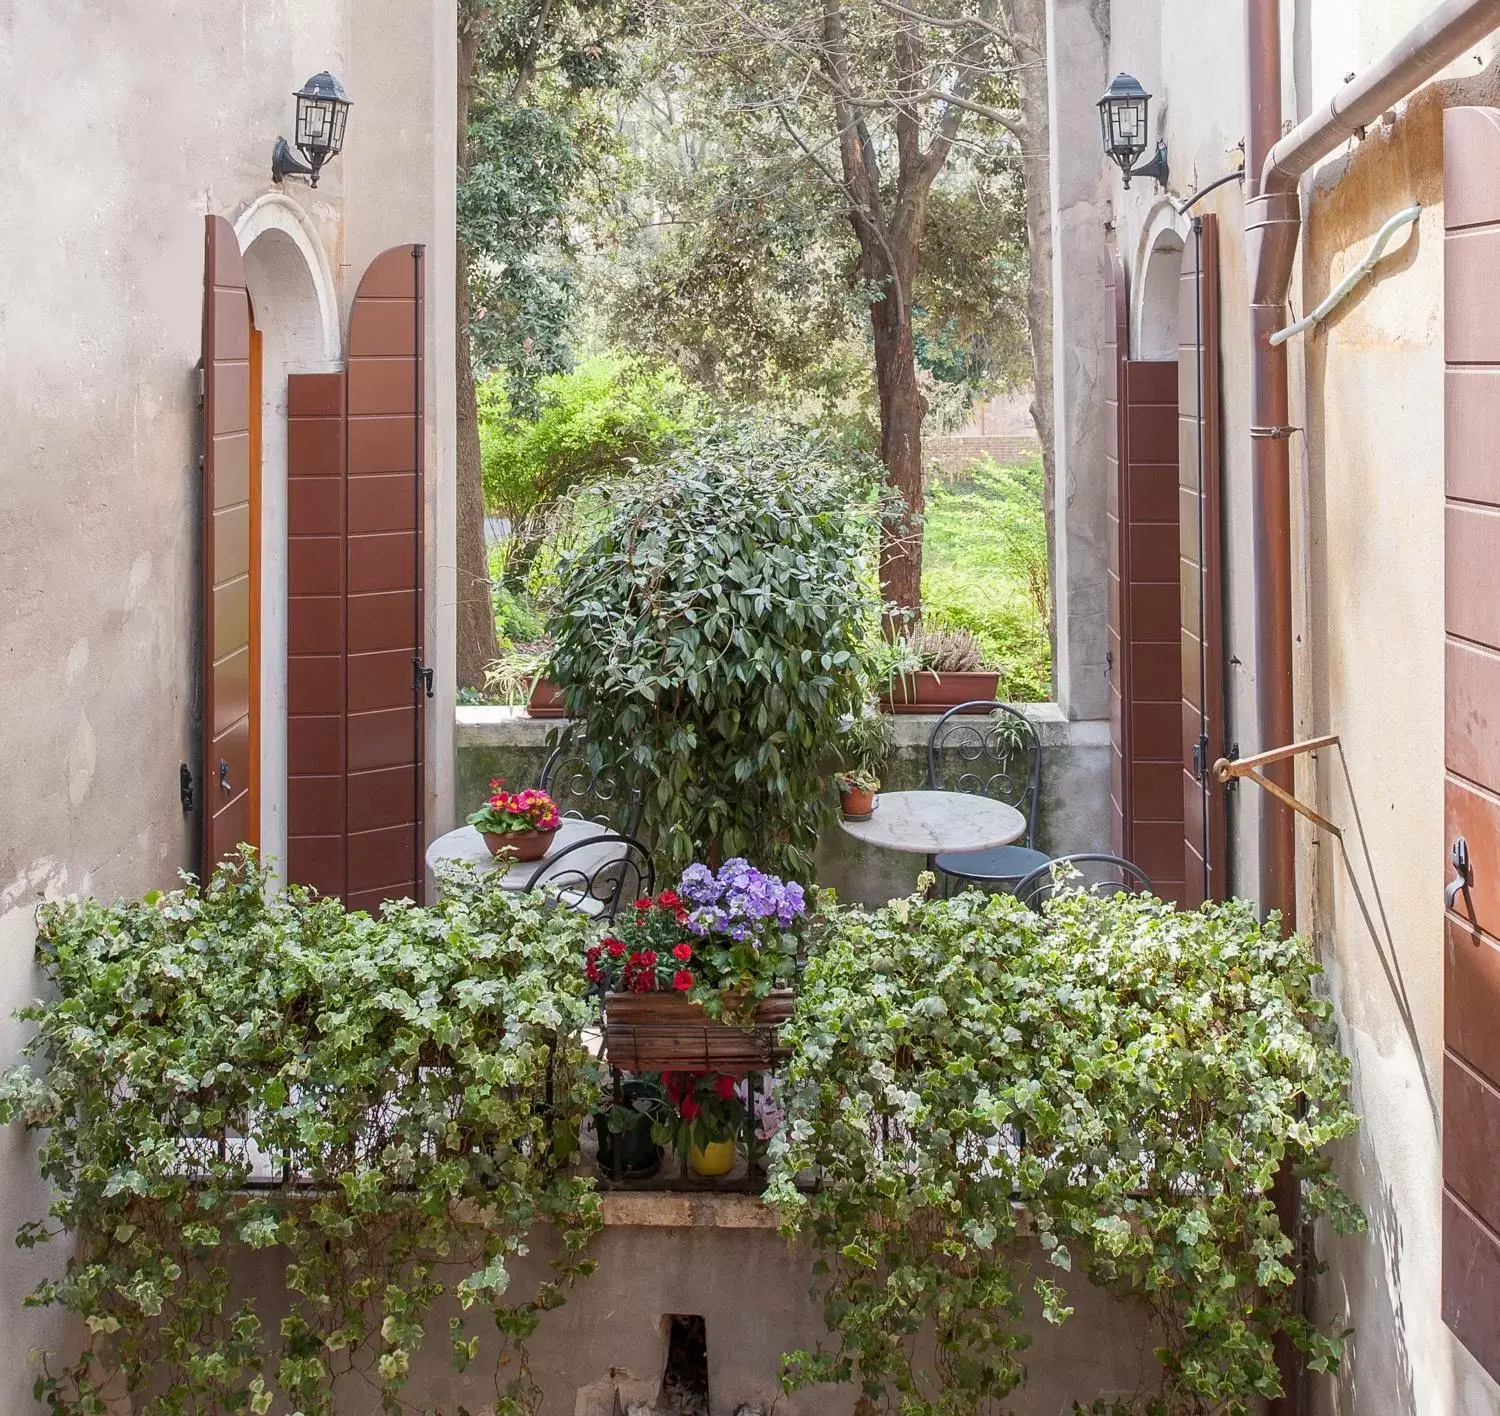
<point x="1122" y="1078"/>
<point x="388" y="1105"/>
<point x="711" y="636"/>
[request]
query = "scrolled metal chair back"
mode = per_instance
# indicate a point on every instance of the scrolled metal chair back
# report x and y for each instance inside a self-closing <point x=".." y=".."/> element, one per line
<point x="1091" y="872"/>
<point x="600" y="875"/>
<point x="585" y="793"/>
<point x="995" y="754"/>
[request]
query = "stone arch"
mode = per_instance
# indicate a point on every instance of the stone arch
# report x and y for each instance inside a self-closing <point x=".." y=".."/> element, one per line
<point x="295" y="310"/>
<point x="1155" y="323"/>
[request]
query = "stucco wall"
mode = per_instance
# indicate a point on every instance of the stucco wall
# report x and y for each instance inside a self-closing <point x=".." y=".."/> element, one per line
<point x="1368" y="620"/>
<point x="720" y="1258"/>
<point x="126" y="123"/>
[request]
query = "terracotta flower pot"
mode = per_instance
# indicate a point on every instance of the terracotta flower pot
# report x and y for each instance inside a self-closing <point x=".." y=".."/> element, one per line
<point x="519" y="845"/>
<point x="857" y="804"/>
<point x="928" y="692"/>
<point x="713" y="1160"/>
<point x="546" y="700"/>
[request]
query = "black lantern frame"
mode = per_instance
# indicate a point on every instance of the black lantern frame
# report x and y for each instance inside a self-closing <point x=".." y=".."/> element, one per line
<point x="322" y="113"/>
<point x="1124" y="114"/>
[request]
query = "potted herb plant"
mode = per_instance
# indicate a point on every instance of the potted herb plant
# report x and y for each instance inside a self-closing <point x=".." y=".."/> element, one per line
<point x="518" y="678"/>
<point x="857" y="794"/>
<point x="701" y="974"/>
<point x="517" y="824"/>
<point x="865" y="741"/>
<point x="938" y="669"/>
<point x="710" y="1119"/>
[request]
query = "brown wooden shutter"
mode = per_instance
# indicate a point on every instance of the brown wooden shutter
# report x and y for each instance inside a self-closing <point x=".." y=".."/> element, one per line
<point x="1471" y="1006"/>
<point x="315" y="631"/>
<point x="1144" y="682"/>
<point x="1118" y="668"/>
<point x="1203" y="734"/>
<point x="384" y="501"/>
<point x="1152" y="646"/>
<point x="224" y="781"/>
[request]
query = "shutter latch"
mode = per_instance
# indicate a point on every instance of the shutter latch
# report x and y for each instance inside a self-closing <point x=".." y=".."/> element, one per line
<point x="1463" y="879"/>
<point x="421" y="678"/>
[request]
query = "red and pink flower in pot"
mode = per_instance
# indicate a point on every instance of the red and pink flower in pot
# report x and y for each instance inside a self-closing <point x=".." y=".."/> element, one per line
<point x="517" y="825"/>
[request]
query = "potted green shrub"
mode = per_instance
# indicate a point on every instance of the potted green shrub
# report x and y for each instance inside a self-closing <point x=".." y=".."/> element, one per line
<point x="715" y="627"/>
<point x="626" y="1128"/>
<point x="519" y="825"/>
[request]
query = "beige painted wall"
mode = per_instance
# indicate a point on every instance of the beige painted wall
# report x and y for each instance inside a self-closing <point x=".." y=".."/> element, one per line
<point x="126" y="123"/>
<point x="1368" y="618"/>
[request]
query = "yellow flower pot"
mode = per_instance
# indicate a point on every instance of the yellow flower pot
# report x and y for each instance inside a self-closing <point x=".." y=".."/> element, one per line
<point x="712" y="1160"/>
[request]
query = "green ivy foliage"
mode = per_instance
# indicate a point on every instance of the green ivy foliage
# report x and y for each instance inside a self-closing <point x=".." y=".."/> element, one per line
<point x="711" y="637"/>
<point x="1151" y="1069"/>
<point x="418" y="1076"/>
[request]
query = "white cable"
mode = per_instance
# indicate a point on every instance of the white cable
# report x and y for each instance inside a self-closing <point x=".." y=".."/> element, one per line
<point x="1401" y="218"/>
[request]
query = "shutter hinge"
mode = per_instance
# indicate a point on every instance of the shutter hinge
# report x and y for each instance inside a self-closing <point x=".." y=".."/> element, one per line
<point x="185" y="786"/>
<point x="1200" y="757"/>
<point x="421" y="678"/>
<point x="202" y="383"/>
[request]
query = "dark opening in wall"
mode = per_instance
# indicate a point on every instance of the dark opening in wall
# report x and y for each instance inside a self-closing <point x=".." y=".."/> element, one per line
<point x="684" y="1384"/>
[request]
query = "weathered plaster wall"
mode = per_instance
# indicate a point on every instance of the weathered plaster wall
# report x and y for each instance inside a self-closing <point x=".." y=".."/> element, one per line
<point x="1072" y="811"/>
<point x="721" y="1258"/>
<point x="1077" y="41"/>
<point x="1368" y="616"/>
<point x="126" y="123"/>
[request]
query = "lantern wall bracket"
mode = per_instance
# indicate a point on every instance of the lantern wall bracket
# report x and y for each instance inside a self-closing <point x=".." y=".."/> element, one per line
<point x="1156" y="168"/>
<point x="283" y="164"/>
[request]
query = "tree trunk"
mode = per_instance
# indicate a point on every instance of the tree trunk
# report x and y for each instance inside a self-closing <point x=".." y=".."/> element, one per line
<point x="902" y="409"/>
<point x="477" y="645"/>
<point x="1029" y="30"/>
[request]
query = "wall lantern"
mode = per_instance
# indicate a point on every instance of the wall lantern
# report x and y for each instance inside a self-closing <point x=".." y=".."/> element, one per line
<point x="1122" y="118"/>
<point x="322" y="108"/>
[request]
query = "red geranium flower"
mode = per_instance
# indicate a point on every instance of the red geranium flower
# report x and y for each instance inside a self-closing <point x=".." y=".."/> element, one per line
<point x="615" y="947"/>
<point x="724" y="1088"/>
<point x="668" y="899"/>
<point x="682" y="952"/>
<point x="682" y="915"/>
<point x="644" y="903"/>
<point x="689" y="1107"/>
<point x="647" y="957"/>
<point x="682" y="980"/>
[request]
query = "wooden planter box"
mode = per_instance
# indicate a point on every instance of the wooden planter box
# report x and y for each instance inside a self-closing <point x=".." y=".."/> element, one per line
<point x="546" y="701"/>
<point x="927" y="692"/>
<point x="664" y="1032"/>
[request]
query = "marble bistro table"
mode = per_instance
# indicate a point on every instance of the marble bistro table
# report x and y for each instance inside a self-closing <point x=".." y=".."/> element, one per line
<point x="466" y="846"/>
<point x="932" y="823"/>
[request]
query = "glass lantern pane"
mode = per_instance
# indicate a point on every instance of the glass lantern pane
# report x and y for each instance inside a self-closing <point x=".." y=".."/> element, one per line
<point x="340" y="113"/>
<point x="313" y="123"/>
<point x="1129" y="121"/>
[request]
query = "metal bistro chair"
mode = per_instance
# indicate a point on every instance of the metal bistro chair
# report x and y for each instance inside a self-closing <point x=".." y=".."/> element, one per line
<point x="1092" y="872"/>
<point x="585" y="794"/>
<point x="598" y="875"/>
<point x="997" y="756"/>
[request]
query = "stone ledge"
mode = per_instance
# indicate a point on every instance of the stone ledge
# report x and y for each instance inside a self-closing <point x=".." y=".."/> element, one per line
<point x="510" y="727"/>
<point x="667" y="1209"/>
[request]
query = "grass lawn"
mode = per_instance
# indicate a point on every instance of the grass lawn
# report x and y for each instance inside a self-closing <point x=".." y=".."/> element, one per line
<point x="985" y="569"/>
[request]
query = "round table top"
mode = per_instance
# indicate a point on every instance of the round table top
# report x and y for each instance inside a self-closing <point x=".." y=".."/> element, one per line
<point x="928" y="823"/>
<point x="466" y="845"/>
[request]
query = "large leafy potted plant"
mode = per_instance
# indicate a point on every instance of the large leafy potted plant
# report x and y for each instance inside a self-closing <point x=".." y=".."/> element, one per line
<point x="711" y="635"/>
<point x="699" y="976"/>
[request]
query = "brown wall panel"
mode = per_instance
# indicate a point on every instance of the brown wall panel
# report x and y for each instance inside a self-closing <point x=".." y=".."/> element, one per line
<point x="1471" y="995"/>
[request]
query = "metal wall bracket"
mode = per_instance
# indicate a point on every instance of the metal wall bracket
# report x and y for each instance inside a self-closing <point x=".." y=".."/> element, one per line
<point x="1248" y="769"/>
